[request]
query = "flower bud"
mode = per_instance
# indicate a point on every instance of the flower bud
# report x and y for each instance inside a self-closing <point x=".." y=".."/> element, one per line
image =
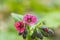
<point x="33" y="35"/>
<point x="24" y="34"/>
<point x="45" y="34"/>
<point x="19" y="33"/>
<point x="51" y="32"/>
<point x="39" y="35"/>
<point x="44" y="28"/>
<point x="25" y="31"/>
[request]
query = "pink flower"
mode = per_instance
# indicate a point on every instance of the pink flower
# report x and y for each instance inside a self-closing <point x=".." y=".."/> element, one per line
<point x="20" y="26"/>
<point x="29" y="19"/>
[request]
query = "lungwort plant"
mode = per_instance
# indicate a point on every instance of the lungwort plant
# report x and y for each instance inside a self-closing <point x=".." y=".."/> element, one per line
<point x="28" y="27"/>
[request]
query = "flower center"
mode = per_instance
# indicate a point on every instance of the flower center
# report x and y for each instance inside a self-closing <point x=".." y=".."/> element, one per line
<point x="21" y="25"/>
<point x="29" y="19"/>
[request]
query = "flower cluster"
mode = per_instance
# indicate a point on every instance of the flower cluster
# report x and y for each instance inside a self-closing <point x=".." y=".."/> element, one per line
<point x="28" y="20"/>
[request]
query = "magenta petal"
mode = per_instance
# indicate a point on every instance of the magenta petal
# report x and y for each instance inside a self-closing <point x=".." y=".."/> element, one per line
<point x="22" y="30"/>
<point x="26" y="16"/>
<point x="29" y="15"/>
<point x="31" y="23"/>
<point x="34" y="19"/>
<point x="17" y="25"/>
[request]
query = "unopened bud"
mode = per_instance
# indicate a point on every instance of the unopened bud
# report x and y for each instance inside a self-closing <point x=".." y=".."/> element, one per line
<point x="50" y="32"/>
<point x="39" y="35"/>
<point x="19" y="33"/>
<point x="24" y="34"/>
<point x="33" y="35"/>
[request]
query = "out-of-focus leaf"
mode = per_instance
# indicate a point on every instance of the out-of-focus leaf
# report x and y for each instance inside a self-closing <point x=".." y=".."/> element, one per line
<point x="16" y="17"/>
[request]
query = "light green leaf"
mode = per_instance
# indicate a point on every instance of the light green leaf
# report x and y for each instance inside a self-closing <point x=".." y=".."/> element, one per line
<point x="16" y="17"/>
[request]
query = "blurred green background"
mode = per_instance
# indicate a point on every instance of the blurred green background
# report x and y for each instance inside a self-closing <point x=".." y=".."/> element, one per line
<point x="48" y="10"/>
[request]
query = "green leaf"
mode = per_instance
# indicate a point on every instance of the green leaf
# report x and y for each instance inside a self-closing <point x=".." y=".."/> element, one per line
<point x="16" y="17"/>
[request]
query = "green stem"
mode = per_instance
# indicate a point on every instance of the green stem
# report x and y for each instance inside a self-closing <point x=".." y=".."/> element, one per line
<point x="37" y="25"/>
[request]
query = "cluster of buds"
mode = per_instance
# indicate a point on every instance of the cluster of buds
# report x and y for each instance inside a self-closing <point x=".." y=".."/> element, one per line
<point x="23" y="27"/>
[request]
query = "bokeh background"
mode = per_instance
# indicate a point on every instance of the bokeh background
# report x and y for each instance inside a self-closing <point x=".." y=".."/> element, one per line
<point x="49" y="10"/>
